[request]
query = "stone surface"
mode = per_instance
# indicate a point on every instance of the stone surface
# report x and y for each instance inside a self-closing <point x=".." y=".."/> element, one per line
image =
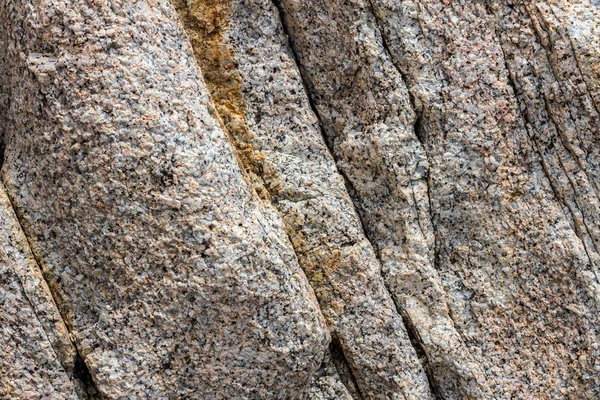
<point x="173" y="280"/>
<point x="256" y="86"/>
<point x="429" y="167"/>
<point x="36" y="354"/>
<point x="522" y="289"/>
<point x="369" y="122"/>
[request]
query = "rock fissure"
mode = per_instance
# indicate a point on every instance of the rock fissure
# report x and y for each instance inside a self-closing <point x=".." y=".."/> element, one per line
<point x="565" y="142"/>
<point x="280" y="11"/>
<point x="299" y="199"/>
<point x="548" y="45"/>
<point x="543" y="162"/>
<point x="577" y="61"/>
<point x="348" y="182"/>
<point x="69" y="367"/>
<point x="343" y="367"/>
<point x="82" y="373"/>
<point x="341" y="252"/>
<point x="583" y="232"/>
<point x="419" y="346"/>
<point x="78" y="369"/>
<point x="422" y="136"/>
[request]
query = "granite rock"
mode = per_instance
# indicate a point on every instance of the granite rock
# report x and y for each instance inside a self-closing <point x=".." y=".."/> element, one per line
<point x="38" y="358"/>
<point x="175" y="282"/>
<point x="251" y="73"/>
<point x="521" y="287"/>
<point x="300" y="199"/>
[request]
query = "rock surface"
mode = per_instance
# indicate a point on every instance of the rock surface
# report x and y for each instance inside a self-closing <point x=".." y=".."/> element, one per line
<point x="173" y="280"/>
<point x="522" y="289"/>
<point x="37" y="356"/>
<point x="366" y="199"/>
<point x="280" y="142"/>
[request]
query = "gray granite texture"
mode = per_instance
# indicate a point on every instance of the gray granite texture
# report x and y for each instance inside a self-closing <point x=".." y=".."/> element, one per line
<point x="37" y="357"/>
<point x="521" y="283"/>
<point x="175" y="282"/>
<point x="269" y="118"/>
<point x="300" y="199"/>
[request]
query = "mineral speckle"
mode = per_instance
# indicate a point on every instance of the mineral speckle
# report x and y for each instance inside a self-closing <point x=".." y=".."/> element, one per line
<point x="286" y="199"/>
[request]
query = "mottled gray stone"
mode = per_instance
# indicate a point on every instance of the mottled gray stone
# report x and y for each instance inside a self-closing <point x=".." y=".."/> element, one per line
<point x="557" y="103"/>
<point x="173" y="280"/>
<point x="36" y="356"/>
<point x="449" y="163"/>
<point x="257" y="89"/>
<point x="522" y="289"/>
<point x="368" y="119"/>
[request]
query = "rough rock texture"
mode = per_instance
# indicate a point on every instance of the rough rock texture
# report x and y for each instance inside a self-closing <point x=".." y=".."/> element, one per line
<point x="368" y="119"/>
<point x="269" y="118"/>
<point x="522" y="289"/>
<point x="173" y="281"/>
<point x="37" y="356"/>
<point x="429" y="167"/>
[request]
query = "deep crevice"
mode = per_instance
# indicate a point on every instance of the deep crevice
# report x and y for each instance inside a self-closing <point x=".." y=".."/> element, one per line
<point x="81" y="372"/>
<point x="305" y="86"/>
<point x="417" y="127"/>
<point x="419" y="346"/>
<point x="2" y="149"/>
<point x="411" y="329"/>
<point x="335" y="346"/>
<point x="343" y="368"/>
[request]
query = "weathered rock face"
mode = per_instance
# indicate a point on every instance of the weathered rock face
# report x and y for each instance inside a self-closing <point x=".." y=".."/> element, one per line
<point x="414" y="184"/>
<point x="173" y="281"/>
<point x="37" y="355"/>
<point x="521" y="286"/>
<point x="281" y="144"/>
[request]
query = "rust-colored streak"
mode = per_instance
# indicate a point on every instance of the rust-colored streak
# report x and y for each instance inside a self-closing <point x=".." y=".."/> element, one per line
<point x="205" y="21"/>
